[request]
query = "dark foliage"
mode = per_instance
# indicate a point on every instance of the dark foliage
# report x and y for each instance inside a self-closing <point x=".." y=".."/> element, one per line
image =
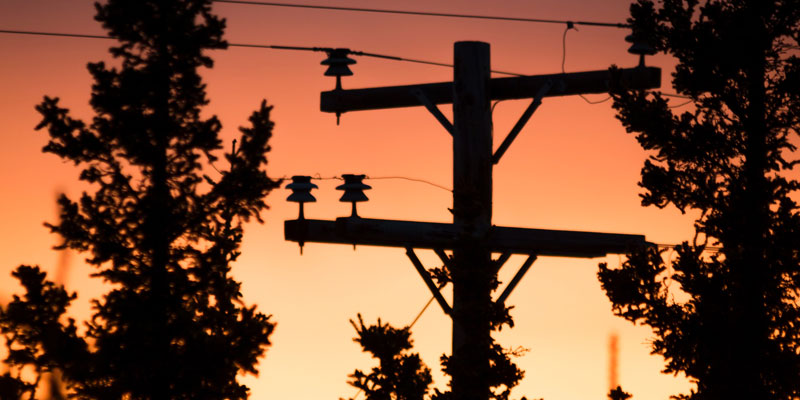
<point x="403" y="376"/>
<point x="159" y="232"/>
<point x="399" y="375"/>
<point x="729" y="320"/>
<point x="618" y="394"/>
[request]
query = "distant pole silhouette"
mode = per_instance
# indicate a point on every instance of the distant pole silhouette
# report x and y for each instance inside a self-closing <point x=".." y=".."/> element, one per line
<point x="613" y="352"/>
<point x="62" y="268"/>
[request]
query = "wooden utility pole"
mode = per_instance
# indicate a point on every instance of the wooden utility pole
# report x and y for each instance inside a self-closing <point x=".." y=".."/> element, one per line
<point x="472" y="213"/>
<point x="471" y="237"/>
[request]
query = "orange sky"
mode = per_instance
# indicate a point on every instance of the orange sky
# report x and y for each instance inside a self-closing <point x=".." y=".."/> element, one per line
<point x="572" y="167"/>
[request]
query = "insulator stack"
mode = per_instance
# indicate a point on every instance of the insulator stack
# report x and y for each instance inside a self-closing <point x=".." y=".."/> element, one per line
<point x="640" y="46"/>
<point x="353" y="190"/>
<point x="301" y="192"/>
<point x="338" y="66"/>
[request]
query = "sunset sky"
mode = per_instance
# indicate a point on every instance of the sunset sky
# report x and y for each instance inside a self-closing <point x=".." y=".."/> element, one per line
<point x="573" y="167"/>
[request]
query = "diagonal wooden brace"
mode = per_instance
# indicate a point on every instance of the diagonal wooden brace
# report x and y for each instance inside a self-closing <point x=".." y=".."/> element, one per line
<point x="501" y="260"/>
<point x="428" y="281"/>
<point x="444" y="257"/>
<point x="419" y="94"/>
<point x="511" y="285"/>
<point x="522" y="121"/>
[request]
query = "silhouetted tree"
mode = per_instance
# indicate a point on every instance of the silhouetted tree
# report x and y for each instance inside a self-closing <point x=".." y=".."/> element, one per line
<point x="734" y="329"/>
<point x="403" y="376"/>
<point x="618" y="394"/>
<point x="160" y="233"/>
<point x="399" y="376"/>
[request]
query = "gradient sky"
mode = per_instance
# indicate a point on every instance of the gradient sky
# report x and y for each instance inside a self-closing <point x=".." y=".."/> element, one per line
<point x="572" y="167"/>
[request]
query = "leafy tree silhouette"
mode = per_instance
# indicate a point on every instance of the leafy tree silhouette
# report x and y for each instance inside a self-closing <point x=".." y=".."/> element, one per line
<point x="734" y="330"/>
<point x="161" y="233"/>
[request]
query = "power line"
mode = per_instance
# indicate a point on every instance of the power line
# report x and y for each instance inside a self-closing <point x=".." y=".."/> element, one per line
<point x="564" y="61"/>
<point x="86" y="36"/>
<point x="677" y="96"/>
<point x="419" y="314"/>
<point x="339" y="178"/>
<point x="427" y="13"/>
<point x="262" y="46"/>
<point x="713" y="249"/>
<point x="412" y="180"/>
<point x="682" y="104"/>
<point x="74" y="35"/>
<point x="327" y="49"/>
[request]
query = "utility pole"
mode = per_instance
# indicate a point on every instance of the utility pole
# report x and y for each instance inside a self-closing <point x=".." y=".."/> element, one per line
<point x="472" y="211"/>
<point x="471" y="237"/>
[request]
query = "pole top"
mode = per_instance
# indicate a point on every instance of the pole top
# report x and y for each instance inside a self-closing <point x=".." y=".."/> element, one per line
<point x="470" y="43"/>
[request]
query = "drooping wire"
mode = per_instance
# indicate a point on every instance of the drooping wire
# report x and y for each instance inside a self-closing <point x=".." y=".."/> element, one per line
<point x="422" y="311"/>
<point x="563" y="71"/>
<point x="411" y="325"/>
<point x="682" y="104"/>
<point x="564" y="46"/>
<point x="425" y="13"/>
<point x="678" y="96"/>
<point x="713" y="249"/>
<point x="412" y="180"/>
<point x="491" y="111"/>
<point x="570" y="25"/>
<point x="495" y="105"/>
<point x="419" y="314"/>
<point x="406" y="178"/>
<point x="327" y="178"/>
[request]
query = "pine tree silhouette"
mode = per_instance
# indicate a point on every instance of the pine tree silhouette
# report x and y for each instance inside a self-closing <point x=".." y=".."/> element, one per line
<point x="728" y="158"/>
<point x="157" y="229"/>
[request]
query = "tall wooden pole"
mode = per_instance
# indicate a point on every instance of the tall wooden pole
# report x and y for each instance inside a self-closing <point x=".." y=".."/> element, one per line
<point x="472" y="214"/>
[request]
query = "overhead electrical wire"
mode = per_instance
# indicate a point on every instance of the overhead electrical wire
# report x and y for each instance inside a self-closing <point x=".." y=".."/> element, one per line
<point x="712" y="249"/>
<point x="367" y="177"/>
<point x="563" y="71"/>
<point x="262" y="46"/>
<point x="564" y="61"/>
<point x="570" y="25"/>
<point x="61" y="34"/>
<point x="426" y="13"/>
<point x="445" y="188"/>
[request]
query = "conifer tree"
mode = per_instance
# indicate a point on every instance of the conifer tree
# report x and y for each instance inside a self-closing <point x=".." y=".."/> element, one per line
<point x="399" y="375"/>
<point x="729" y="321"/>
<point x="158" y="230"/>
<point x="403" y="376"/>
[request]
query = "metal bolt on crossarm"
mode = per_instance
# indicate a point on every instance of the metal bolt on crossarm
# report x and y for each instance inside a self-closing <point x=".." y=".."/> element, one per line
<point x="353" y="191"/>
